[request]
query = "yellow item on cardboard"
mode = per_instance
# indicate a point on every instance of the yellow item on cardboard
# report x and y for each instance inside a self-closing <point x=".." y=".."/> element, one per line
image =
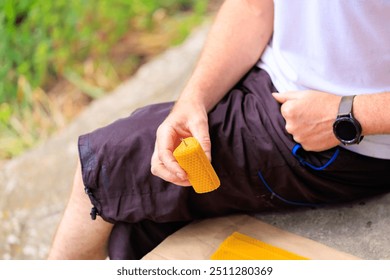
<point x="242" y="247"/>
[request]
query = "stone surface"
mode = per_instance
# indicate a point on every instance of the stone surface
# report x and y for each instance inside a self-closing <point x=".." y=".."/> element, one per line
<point x="360" y="228"/>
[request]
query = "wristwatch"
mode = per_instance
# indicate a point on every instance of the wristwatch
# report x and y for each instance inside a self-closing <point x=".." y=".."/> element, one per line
<point x="346" y="128"/>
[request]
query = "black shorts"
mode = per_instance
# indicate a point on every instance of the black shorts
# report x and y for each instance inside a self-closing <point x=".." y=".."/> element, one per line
<point x="260" y="167"/>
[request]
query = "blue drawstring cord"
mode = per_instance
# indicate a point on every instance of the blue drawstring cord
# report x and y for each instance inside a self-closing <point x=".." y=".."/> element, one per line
<point x="294" y="151"/>
<point x="296" y="203"/>
<point x="297" y="147"/>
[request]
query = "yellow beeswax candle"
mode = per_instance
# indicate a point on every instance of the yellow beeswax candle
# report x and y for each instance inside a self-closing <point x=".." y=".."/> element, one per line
<point x="201" y="174"/>
<point x="239" y="246"/>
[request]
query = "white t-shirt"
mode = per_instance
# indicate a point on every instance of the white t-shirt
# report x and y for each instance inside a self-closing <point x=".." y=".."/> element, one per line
<point x="336" y="46"/>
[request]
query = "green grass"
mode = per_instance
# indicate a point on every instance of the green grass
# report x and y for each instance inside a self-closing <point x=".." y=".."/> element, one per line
<point x="45" y="42"/>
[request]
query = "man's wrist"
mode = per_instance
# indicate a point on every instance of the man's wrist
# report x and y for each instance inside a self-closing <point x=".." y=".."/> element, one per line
<point x="346" y="127"/>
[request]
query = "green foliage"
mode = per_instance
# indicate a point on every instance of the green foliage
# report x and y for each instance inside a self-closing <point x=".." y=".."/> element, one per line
<point x="43" y="40"/>
<point x="41" y="37"/>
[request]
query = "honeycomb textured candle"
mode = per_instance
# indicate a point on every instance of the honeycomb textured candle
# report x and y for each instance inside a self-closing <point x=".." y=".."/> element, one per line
<point x="191" y="157"/>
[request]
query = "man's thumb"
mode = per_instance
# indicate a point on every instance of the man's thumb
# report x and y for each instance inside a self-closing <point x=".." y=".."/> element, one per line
<point x="280" y="97"/>
<point x="205" y="143"/>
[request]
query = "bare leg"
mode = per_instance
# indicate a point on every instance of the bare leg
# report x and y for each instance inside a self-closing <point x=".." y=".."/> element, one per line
<point x="79" y="237"/>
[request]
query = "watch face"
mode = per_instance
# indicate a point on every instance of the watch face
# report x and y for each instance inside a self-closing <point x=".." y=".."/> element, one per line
<point x="346" y="130"/>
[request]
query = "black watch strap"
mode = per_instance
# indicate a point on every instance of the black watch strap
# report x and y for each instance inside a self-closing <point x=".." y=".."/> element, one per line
<point x="346" y="103"/>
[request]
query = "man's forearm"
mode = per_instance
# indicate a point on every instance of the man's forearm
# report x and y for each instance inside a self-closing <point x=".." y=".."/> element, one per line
<point x="372" y="111"/>
<point x="236" y="40"/>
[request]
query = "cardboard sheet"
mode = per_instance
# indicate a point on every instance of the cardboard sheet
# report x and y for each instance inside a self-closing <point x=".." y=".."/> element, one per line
<point x="200" y="239"/>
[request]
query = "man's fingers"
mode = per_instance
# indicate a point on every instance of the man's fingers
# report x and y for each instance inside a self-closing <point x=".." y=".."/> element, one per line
<point x="163" y="153"/>
<point x="158" y="168"/>
<point x="200" y="131"/>
<point x="170" y="163"/>
<point x="205" y="143"/>
<point x="161" y="171"/>
<point x="282" y="97"/>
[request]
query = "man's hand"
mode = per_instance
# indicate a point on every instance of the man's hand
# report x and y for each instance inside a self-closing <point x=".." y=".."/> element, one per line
<point x="186" y="119"/>
<point x="309" y="117"/>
